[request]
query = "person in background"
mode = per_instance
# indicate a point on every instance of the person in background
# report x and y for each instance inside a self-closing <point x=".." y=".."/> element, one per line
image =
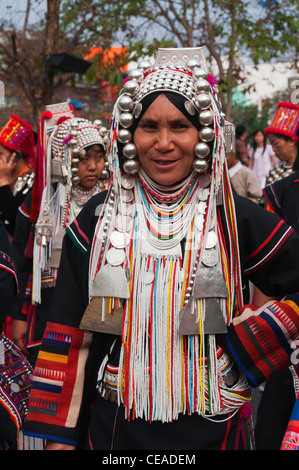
<point x="243" y="180"/>
<point x="282" y="197"/>
<point x="284" y="141"/>
<point x="64" y="195"/>
<point x="241" y="146"/>
<point x="78" y="107"/>
<point x="17" y="162"/>
<point x="261" y="157"/>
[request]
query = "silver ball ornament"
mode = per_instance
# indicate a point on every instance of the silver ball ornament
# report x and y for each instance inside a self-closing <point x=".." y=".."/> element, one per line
<point x="202" y="86"/>
<point x="191" y="64"/>
<point x="97" y="123"/>
<point x="73" y="143"/>
<point x="136" y="74"/>
<point x="125" y="103"/>
<point x="201" y="150"/>
<point x="76" y="180"/>
<point x="206" y="117"/>
<point x="200" y="165"/>
<point x="126" y="120"/>
<point x="144" y="65"/>
<point x="131" y="87"/>
<point x="199" y="72"/>
<point x="206" y="134"/>
<point x="130" y="150"/>
<point x="131" y="166"/>
<point x="203" y="100"/>
<point x="124" y="136"/>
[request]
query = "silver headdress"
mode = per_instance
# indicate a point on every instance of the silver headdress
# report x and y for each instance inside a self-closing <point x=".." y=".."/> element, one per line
<point x="65" y="141"/>
<point x="182" y="71"/>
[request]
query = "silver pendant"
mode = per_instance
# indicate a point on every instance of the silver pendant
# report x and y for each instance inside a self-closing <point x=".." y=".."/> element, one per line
<point x="110" y="281"/>
<point x="209" y="282"/>
<point x="188" y="324"/>
<point x="115" y="256"/>
<point x="123" y="223"/>
<point x="92" y="318"/>
<point x="214" y="322"/>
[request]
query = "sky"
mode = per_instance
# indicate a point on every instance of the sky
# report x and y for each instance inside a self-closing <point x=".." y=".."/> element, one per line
<point x="14" y="10"/>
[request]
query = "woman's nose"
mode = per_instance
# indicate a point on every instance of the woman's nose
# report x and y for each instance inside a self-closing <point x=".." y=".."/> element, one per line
<point x="164" y="141"/>
<point x="91" y="163"/>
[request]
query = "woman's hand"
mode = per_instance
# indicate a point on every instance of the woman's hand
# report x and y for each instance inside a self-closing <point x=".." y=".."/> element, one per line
<point x="18" y="334"/>
<point x="58" y="446"/>
<point x="6" y="169"/>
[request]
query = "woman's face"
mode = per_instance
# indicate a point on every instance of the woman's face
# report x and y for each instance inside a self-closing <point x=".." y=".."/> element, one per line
<point x="284" y="149"/>
<point x="259" y="138"/>
<point x="165" y="140"/>
<point x="91" y="166"/>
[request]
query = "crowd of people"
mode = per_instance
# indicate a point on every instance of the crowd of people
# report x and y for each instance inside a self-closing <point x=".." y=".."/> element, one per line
<point x="149" y="272"/>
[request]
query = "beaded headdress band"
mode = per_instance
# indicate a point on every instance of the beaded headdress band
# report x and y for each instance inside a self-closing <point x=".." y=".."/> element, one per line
<point x="181" y="71"/>
<point x="286" y="121"/>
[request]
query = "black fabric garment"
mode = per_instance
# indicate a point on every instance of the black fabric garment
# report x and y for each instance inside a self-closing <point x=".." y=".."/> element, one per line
<point x="279" y="396"/>
<point x="109" y="430"/>
<point x="8" y="286"/>
<point x="9" y="205"/>
<point x="71" y="294"/>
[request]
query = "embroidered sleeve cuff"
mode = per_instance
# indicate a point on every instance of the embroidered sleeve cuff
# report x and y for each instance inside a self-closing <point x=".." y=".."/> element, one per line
<point x="57" y="384"/>
<point x="262" y="340"/>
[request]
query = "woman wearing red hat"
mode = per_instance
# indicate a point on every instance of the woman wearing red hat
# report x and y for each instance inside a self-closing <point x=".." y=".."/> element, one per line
<point x="17" y="160"/>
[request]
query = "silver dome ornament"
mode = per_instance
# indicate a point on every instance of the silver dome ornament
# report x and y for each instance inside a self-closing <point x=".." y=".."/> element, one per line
<point x="200" y="165"/>
<point x="75" y="161"/>
<point x="74" y="123"/>
<point x="202" y="86"/>
<point x="199" y="72"/>
<point x="73" y="143"/>
<point x="75" y="171"/>
<point x="192" y="64"/>
<point x="131" y="166"/>
<point x="126" y="120"/>
<point x="105" y="174"/>
<point x="106" y="165"/>
<point x="97" y="123"/>
<point x="76" y="180"/>
<point x="75" y="151"/>
<point x="82" y="153"/>
<point x="124" y="136"/>
<point x="130" y="150"/>
<point x="201" y="150"/>
<point x="125" y="103"/>
<point x="136" y="74"/>
<point x="131" y="87"/>
<point x="144" y="65"/>
<point x="103" y="131"/>
<point x="74" y="132"/>
<point x="206" y="117"/>
<point x="206" y="134"/>
<point x="203" y="100"/>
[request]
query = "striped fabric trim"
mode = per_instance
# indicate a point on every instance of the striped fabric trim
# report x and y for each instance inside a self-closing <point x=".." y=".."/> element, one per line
<point x="25" y="210"/>
<point x="268" y="248"/>
<point x="291" y="438"/>
<point x="58" y="377"/>
<point x="260" y="338"/>
<point x="77" y="239"/>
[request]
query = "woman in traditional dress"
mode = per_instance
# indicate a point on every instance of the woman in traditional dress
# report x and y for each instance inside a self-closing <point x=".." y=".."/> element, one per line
<point x="150" y="343"/>
<point x="75" y="171"/>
